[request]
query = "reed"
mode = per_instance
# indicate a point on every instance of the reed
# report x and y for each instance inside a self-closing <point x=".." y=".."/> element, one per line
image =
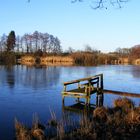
<point x="133" y="117"/>
<point x="100" y="114"/>
<point x="22" y="132"/>
<point x="105" y="123"/>
<point x="124" y="103"/>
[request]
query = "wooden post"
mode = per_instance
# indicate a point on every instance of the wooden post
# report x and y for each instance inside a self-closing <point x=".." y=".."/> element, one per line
<point x="78" y="84"/>
<point x="102" y="84"/>
<point x="99" y="95"/>
<point x="63" y="97"/>
<point x="101" y="99"/>
<point x="89" y="87"/>
<point x="97" y="100"/>
<point x="64" y="89"/>
<point x="87" y="100"/>
<point x="63" y="100"/>
<point x="97" y="86"/>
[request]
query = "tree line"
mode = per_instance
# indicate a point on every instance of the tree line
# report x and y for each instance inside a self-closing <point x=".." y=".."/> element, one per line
<point x="132" y="53"/>
<point x="30" y="43"/>
<point x="38" y="44"/>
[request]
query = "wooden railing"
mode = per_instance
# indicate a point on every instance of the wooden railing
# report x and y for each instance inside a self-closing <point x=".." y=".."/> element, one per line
<point x="85" y="87"/>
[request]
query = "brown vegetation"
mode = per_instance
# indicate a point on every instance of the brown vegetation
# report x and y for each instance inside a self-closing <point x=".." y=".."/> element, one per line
<point x="135" y="52"/>
<point x="106" y="123"/>
<point x="8" y="58"/>
<point x="92" y="58"/>
<point x="124" y="103"/>
<point x="46" y="60"/>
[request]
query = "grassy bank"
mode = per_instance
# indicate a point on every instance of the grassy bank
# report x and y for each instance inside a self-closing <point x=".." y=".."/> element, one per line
<point x="119" y="122"/>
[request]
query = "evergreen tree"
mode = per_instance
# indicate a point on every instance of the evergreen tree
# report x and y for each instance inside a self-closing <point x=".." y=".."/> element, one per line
<point x="11" y="40"/>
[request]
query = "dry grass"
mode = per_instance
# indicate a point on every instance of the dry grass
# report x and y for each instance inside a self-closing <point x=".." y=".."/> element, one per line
<point x="35" y="133"/>
<point x="56" y="59"/>
<point x="22" y="133"/>
<point x="124" y="103"/>
<point x="106" y="123"/>
<point x="48" y="60"/>
<point x="100" y="114"/>
<point x="133" y="117"/>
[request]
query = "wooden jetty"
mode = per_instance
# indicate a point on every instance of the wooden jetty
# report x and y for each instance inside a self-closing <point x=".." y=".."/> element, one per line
<point x="85" y="87"/>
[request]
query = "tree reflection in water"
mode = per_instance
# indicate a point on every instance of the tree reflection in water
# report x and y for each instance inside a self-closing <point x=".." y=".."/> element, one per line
<point x="136" y="71"/>
<point x="81" y="108"/>
<point x="38" y="77"/>
<point x="10" y="75"/>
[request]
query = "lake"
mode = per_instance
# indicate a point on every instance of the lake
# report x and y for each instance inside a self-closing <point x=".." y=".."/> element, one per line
<point x="26" y="90"/>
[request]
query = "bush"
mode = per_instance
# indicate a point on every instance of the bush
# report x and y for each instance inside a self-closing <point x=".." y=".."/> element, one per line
<point x="8" y="58"/>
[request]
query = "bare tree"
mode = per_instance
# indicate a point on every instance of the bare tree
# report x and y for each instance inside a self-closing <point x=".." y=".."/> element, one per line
<point x="26" y="42"/>
<point x="51" y="43"/>
<point x="17" y="43"/>
<point x="45" y="41"/>
<point x="88" y="48"/>
<point x="103" y="3"/>
<point x="123" y="52"/>
<point x="70" y="50"/>
<point x="135" y="52"/>
<point x="3" y="42"/>
<point x="36" y="40"/>
<point x="57" y="46"/>
<point x="21" y="44"/>
<point x="96" y="4"/>
<point x="0" y="45"/>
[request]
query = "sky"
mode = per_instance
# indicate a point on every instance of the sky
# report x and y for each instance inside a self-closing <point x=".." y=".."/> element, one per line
<point x="76" y="25"/>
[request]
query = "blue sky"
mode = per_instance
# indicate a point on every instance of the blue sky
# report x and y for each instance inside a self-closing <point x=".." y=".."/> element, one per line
<point x="76" y="25"/>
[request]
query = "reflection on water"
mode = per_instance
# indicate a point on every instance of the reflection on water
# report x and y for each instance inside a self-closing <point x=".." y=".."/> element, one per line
<point x="39" y="77"/>
<point x="28" y="90"/>
<point x="10" y="77"/>
<point x="136" y="71"/>
<point x="82" y="108"/>
<point x="29" y="76"/>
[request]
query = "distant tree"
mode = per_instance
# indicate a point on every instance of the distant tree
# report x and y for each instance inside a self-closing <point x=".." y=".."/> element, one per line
<point x="51" y="43"/>
<point x="70" y="50"/>
<point x="135" y="52"/>
<point x="88" y="48"/>
<point x="123" y="52"/>
<point x="45" y="41"/>
<point x="57" y="47"/>
<point x="1" y="46"/>
<point x="11" y="41"/>
<point x="26" y="43"/>
<point x="17" y="43"/>
<point x="3" y="40"/>
<point x="36" y="38"/>
<point x="28" y="40"/>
